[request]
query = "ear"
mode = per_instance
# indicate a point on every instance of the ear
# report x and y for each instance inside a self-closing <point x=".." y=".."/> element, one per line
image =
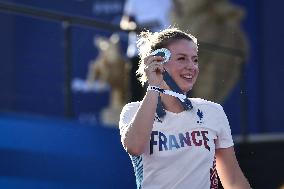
<point x="114" y="38"/>
<point x="101" y="42"/>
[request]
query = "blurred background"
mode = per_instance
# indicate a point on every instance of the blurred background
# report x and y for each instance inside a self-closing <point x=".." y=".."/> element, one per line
<point x="59" y="108"/>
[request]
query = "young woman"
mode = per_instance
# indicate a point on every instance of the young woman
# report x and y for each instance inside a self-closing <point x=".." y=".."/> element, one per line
<point x="174" y="141"/>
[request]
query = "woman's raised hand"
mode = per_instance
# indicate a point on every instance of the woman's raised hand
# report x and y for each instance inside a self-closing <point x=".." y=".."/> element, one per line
<point x="154" y="69"/>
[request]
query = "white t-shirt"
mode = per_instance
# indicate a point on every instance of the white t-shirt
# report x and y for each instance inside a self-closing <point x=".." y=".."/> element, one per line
<point x="181" y="151"/>
<point x="147" y="11"/>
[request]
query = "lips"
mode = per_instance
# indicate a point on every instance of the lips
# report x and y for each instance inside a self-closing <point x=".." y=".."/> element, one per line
<point x="187" y="76"/>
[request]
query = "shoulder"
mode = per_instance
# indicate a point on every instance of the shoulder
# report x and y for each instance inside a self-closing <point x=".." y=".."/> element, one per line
<point x="199" y="102"/>
<point x="132" y="106"/>
<point x="127" y="113"/>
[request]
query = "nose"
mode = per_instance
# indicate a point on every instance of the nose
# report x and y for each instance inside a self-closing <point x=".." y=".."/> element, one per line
<point x="191" y="65"/>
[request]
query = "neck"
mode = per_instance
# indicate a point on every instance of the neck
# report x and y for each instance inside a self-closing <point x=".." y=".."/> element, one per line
<point x="171" y="103"/>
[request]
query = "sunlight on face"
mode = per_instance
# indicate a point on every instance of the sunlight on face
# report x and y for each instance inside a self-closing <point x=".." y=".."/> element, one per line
<point x="183" y="64"/>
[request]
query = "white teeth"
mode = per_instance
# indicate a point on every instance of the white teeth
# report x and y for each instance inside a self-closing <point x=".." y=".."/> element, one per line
<point x="188" y="76"/>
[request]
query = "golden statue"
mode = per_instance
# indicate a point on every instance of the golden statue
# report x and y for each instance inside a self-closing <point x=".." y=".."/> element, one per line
<point x="214" y="23"/>
<point x="112" y="68"/>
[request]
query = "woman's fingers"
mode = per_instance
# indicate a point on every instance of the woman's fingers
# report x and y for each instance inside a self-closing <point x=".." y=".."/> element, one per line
<point x="149" y="59"/>
<point x="153" y="62"/>
<point x="153" y="69"/>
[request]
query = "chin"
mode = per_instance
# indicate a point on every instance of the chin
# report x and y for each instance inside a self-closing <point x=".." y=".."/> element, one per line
<point x="186" y="89"/>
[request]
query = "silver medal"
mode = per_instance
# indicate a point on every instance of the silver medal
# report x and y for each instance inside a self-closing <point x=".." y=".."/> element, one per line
<point x="162" y="52"/>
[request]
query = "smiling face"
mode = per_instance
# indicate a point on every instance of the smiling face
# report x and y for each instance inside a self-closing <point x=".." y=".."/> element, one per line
<point x="183" y="64"/>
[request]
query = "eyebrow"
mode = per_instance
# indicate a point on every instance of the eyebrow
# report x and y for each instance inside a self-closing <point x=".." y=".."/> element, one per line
<point x="181" y="54"/>
<point x="185" y="54"/>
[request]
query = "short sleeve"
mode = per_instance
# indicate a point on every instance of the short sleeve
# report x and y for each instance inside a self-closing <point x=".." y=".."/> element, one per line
<point x="224" y="139"/>
<point x="126" y="115"/>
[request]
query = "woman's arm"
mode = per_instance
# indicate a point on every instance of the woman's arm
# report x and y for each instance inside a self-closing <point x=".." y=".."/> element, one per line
<point x="137" y="135"/>
<point x="229" y="171"/>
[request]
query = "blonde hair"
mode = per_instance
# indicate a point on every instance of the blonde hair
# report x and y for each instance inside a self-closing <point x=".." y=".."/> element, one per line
<point x="150" y="41"/>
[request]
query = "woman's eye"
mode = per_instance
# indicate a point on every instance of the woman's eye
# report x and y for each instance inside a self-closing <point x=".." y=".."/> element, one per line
<point x="195" y="61"/>
<point x="181" y="58"/>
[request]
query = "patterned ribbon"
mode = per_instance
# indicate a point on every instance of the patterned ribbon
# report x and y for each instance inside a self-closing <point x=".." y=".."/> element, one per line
<point x="175" y="91"/>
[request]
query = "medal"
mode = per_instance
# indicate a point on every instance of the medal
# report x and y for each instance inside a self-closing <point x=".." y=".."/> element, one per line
<point x="163" y="52"/>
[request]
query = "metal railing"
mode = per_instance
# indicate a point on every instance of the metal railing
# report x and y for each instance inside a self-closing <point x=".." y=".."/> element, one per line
<point x="69" y="20"/>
